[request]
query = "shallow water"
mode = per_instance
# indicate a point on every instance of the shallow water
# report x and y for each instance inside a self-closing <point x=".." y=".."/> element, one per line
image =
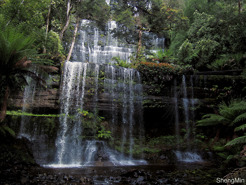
<point x="143" y="174"/>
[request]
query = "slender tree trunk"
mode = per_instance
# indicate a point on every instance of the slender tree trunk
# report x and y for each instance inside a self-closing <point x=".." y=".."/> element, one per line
<point x="47" y="27"/>
<point x="140" y="33"/>
<point x="239" y="6"/>
<point x="217" y="136"/>
<point x="74" y="38"/>
<point x="4" y="104"/>
<point x="67" y="19"/>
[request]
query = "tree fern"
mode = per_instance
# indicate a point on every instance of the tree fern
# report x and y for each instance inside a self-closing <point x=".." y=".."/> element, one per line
<point x="15" y="52"/>
<point x="240" y="128"/>
<point x="239" y="119"/>
<point x="237" y="141"/>
<point x="233" y="110"/>
<point x="212" y="120"/>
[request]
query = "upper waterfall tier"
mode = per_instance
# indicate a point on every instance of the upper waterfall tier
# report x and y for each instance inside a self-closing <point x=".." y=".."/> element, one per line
<point x="97" y="46"/>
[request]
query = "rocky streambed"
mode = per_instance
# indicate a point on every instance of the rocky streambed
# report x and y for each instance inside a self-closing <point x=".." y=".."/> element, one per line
<point x="122" y="175"/>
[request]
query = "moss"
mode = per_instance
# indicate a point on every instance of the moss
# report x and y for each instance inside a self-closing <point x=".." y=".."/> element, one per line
<point x="218" y="148"/>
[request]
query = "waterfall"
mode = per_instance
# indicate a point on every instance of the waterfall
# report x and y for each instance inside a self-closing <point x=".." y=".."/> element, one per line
<point x="68" y="142"/>
<point x="119" y="96"/>
<point x="193" y="101"/>
<point x="186" y="108"/>
<point x="28" y="98"/>
<point x="97" y="46"/>
<point x="188" y="157"/>
<point x="189" y="116"/>
<point x="72" y="149"/>
<point x="176" y="112"/>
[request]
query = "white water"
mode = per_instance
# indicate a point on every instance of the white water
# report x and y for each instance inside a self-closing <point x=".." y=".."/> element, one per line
<point x="68" y="147"/>
<point x="186" y="108"/>
<point x="28" y="98"/>
<point x="122" y="87"/>
<point x="176" y="112"/>
<point x="97" y="46"/>
<point x="188" y="157"/>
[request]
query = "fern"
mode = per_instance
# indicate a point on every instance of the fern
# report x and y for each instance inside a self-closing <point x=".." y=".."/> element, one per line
<point x="212" y="120"/>
<point x="239" y="128"/>
<point x="4" y="130"/>
<point x="233" y="110"/>
<point x="240" y="118"/>
<point x="237" y="141"/>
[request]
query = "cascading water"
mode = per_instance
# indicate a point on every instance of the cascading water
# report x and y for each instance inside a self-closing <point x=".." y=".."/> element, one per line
<point x="68" y="142"/>
<point x="28" y="98"/>
<point x="189" y="116"/>
<point x="186" y="108"/>
<point x="176" y="112"/>
<point x="82" y="90"/>
<point x="97" y="46"/>
<point x="188" y="157"/>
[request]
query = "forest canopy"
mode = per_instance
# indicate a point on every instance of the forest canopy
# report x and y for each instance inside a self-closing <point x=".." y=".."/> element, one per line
<point x="206" y="34"/>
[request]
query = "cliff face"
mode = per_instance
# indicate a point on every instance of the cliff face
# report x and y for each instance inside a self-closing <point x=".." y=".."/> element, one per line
<point x="160" y="105"/>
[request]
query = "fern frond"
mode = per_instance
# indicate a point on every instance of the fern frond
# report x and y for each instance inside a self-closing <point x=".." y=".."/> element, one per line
<point x="2" y="131"/>
<point x="212" y="120"/>
<point x="237" y="141"/>
<point x="240" y="128"/>
<point x="233" y="110"/>
<point x="240" y="118"/>
<point x="6" y="130"/>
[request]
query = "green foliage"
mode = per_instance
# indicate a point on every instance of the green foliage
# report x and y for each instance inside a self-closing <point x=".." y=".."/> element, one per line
<point x="240" y="128"/>
<point x="229" y="115"/>
<point x="29" y="15"/>
<point x="93" y="125"/>
<point x="121" y="63"/>
<point x="212" y="120"/>
<point x="20" y="113"/>
<point x="5" y="131"/>
<point x="237" y="141"/>
<point x="228" y="62"/>
<point x="218" y="148"/>
<point x="53" y="43"/>
<point x="160" y="73"/>
<point x="17" y="54"/>
<point x="89" y="115"/>
<point x="216" y="33"/>
<point x="104" y="134"/>
<point x="239" y="119"/>
<point x="161" y="56"/>
<point x="192" y="6"/>
<point x="162" y="140"/>
<point x="230" y="119"/>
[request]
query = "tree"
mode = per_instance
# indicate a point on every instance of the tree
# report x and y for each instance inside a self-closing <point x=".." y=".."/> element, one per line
<point x="15" y="61"/>
<point x="68" y="13"/>
<point x="37" y="18"/>
<point x="212" y="36"/>
<point x="95" y="10"/>
<point x="131" y="17"/>
<point x="135" y="18"/>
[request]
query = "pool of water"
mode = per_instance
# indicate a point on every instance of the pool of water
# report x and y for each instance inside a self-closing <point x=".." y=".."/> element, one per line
<point x="181" y="173"/>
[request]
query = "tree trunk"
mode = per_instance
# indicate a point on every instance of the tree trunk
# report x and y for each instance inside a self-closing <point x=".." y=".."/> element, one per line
<point x="239" y="6"/>
<point x="140" y="33"/>
<point x="4" y="104"/>
<point x="217" y="136"/>
<point x="67" y="19"/>
<point x="47" y="27"/>
<point x="74" y="38"/>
